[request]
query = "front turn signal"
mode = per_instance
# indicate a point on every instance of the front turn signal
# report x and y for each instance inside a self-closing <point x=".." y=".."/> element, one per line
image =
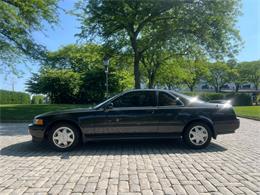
<point x="38" y="121"/>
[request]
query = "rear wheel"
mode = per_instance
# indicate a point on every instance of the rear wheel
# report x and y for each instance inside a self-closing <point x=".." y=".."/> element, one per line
<point x="64" y="137"/>
<point x="197" y="135"/>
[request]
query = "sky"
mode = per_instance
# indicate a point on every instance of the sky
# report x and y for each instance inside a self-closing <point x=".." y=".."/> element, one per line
<point x="64" y="33"/>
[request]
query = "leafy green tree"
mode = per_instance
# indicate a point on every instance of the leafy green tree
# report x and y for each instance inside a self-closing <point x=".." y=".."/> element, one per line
<point x="61" y="86"/>
<point x="37" y="99"/>
<point x="67" y="86"/>
<point x="234" y="73"/>
<point x="194" y="71"/>
<point x="92" y="89"/>
<point x="78" y="58"/>
<point x="250" y="72"/>
<point x="170" y="75"/>
<point x="152" y="60"/>
<point x="140" y="25"/>
<point x="18" y="19"/>
<point x="218" y="75"/>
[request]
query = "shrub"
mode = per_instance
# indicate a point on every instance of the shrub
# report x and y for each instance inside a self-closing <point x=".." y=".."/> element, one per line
<point x="37" y="99"/>
<point x="238" y="99"/>
<point x="207" y="96"/>
<point x="61" y="86"/>
<point x="13" y="97"/>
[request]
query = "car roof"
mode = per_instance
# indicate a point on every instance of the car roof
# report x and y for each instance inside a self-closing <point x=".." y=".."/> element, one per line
<point x="133" y="90"/>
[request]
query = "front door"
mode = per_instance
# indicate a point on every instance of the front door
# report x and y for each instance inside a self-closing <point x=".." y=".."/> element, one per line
<point x="167" y="113"/>
<point x="133" y="112"/>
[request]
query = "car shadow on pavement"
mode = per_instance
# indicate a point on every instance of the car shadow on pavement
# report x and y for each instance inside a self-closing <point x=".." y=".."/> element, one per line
<point x="130" y="147"/>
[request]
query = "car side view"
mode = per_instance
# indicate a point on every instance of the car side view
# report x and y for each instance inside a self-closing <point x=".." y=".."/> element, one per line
<point x="137" y="114"/>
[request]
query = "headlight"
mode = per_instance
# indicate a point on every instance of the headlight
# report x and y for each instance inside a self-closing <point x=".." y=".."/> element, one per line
<point x="38" y="121"/>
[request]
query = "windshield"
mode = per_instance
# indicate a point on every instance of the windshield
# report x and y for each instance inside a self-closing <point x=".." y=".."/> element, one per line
<point x="104" y="102"/>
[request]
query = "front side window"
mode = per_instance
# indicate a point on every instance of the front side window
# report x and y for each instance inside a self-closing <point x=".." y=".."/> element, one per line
<point x="135" y="99"/>
<point x="167" y="100"/>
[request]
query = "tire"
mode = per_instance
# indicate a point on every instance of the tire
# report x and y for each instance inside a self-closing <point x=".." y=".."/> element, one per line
<point x="197" y="135"/>
<point x="64" y="137"/>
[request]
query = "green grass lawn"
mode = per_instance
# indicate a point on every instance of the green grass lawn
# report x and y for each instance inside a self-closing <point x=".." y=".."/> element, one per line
<point x="248" y="111"/>
<point x="26" y="112"/>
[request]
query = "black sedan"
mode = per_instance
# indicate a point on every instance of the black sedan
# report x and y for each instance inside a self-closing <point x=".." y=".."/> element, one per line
<point x="137" y="114"/>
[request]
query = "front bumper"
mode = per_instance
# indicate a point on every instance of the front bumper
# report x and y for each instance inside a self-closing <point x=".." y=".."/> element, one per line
<point x="37" y="132"/>
<point x="227" y="126"/>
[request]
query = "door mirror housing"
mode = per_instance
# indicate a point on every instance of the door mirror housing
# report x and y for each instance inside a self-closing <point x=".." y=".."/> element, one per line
<point x="109" y="106"/>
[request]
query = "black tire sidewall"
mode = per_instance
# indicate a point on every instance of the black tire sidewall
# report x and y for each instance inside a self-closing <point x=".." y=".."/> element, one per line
<point x="187" y="140"/>
<point x="76" y="134"/>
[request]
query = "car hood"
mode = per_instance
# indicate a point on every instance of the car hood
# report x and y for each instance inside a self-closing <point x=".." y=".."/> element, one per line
<point x="68" y="111"/>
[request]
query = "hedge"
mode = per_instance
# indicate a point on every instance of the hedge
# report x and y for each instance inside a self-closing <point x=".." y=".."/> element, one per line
<point x="237" y="99"/>
<point x="37" y="99"/>
<point x="13" y="97"/>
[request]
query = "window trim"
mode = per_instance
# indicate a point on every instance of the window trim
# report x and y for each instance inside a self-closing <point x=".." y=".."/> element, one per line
<point x="136" y="107"/>
<point x="176" y="97"/>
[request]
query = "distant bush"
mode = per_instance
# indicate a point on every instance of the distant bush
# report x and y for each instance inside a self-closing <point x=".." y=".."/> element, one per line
<point x="37" y="99"/>
<point x="207" y="96"/>
<point x="238" y="99"/>
<point x="13" y="97"/>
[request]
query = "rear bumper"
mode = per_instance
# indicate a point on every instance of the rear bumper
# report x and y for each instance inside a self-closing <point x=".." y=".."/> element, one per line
<point x="37" y="132"/>
<point x="228" y="126"/>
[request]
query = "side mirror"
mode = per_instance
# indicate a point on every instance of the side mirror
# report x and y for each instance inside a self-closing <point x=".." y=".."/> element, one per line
<point x="110" y="106"/>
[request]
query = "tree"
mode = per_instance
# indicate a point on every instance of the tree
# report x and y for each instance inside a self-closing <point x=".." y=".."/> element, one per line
<point x="170" y="75"/>
<point x="78" y="58"/>
<point x="141" y="25"/>
<point x="92" y="89"/>
<point x="61" y="86"/>
<point x="194" y="71"/>
<point x="18" y="19"/>
<point x="234" y="73"/>
<point x="218" y="75"/>
<point x="152" y="60"/>
<point x="250" y="72"/>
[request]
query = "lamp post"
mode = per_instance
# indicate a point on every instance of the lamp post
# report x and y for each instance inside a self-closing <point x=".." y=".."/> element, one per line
<point x="106" y="63"/>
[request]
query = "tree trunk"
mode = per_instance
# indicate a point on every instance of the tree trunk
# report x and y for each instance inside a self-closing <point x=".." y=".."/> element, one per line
<point x="256" y="86"/>
<point x="137" y="59"/>
<point x="151" y="81"/>
<point x="237" y="87"/>
<point x="191" y="88"/>
<point x="137" y="71"/>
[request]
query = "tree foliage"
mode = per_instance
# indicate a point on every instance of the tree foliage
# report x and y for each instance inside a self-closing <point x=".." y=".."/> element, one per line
<point x="194" y="71"/>
<point x="218" y="75"/>
<point x="61" y="86"/>
<point x="250" y="72"/>
<point x="140" y="25"/>
<point x="18" y="20"/>
<point x="170" y="75"/>
<point x="78" y="58"/>
<point x="75" y="74"/>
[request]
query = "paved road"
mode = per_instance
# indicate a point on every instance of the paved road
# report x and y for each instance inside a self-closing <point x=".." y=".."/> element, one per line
<point x="230" y="165"/>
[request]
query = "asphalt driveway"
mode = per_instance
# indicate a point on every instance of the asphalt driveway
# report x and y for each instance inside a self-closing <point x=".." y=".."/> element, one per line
<point x="230" y="165"/>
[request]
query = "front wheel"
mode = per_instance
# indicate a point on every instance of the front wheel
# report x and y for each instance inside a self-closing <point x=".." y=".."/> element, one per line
<point x="64" y="137"/>
<point x="197" y="135"/>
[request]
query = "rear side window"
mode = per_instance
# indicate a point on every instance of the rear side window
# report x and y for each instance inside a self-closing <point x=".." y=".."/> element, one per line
<point x="136" y="99"/>
<point x="167" y="100"/>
